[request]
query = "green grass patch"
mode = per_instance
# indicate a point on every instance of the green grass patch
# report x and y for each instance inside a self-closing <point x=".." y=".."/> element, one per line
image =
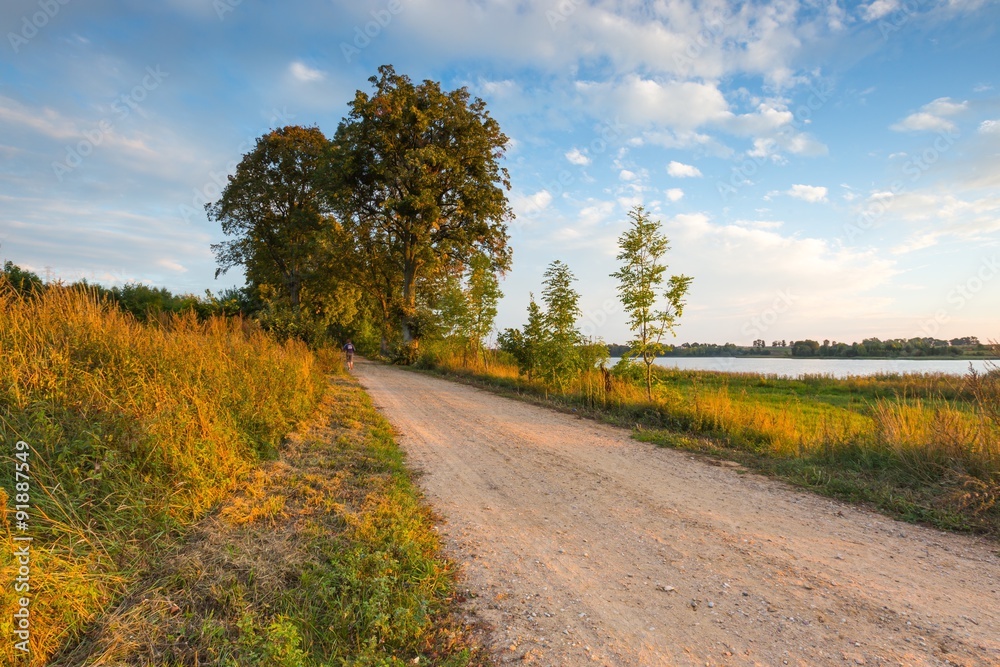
<point x="327" y="556"/>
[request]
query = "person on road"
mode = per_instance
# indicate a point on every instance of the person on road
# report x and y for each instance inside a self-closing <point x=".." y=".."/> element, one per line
<point x="349" y="353"/>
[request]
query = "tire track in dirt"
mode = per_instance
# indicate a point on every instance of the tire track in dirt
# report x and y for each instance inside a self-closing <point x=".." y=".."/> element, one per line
<point x="583" y="546"/>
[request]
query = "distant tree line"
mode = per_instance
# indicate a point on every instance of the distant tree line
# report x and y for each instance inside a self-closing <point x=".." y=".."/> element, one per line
<point x="894" y="347"/>
<point x="142" y="301"/>
<point x="869" y="347"/>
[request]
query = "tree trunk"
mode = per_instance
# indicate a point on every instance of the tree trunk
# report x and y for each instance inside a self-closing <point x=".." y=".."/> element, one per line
<point x="294" y="287"/>
<point x="409" y="300"/>
<point x="649" y="380"/>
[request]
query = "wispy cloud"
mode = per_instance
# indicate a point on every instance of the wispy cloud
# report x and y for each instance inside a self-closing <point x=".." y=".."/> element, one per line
<point x="932" y="117"/>
<point x="304" y="73"/>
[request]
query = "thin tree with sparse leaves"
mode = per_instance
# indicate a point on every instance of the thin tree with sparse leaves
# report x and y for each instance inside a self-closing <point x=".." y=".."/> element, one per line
<point x="640" y="279"/>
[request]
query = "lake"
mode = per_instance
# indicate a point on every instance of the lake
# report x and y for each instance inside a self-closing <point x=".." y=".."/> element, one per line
<point x="788" y="367"/>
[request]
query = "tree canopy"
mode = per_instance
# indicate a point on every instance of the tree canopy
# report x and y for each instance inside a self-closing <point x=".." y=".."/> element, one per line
<point x="417" y="180"/>
<point x="366" y="232"/>
<point x="273" y="208"/>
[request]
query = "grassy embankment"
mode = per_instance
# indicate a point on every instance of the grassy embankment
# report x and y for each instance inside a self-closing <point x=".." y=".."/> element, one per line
<point x="138" y="432"/>
<point x="919" y="447"/>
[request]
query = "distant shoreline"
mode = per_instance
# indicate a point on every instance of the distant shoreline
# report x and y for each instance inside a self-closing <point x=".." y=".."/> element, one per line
<point x="962" y="357"/>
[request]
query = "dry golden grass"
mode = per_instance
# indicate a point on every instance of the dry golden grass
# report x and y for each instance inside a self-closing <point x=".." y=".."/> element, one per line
<point x="135" y="431"/>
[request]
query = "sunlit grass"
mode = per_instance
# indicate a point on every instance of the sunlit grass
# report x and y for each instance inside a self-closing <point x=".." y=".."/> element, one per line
<point x="326" y="556"/>
<point x="136" y="430"/>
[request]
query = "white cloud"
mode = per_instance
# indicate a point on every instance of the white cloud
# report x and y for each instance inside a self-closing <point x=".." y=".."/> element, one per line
<point x="931" y="117"/>
<point x="304" y="73"/>
<point x="922" y="122"/>
<point x="990" y="127"/>
<point x="676" y="114"/>
<point x="628" y="202"/>
<point x="943" y="106"/>
<point x="810" y="193"/>
<point x="498" y="88"/>
<point x="575" y="156"/>
<point x="681" y="170"/>
<point x="528" y="205"/>
<point x="801" y="143"/>
<point x="879" y="8"/>
<point x="92" y="240"/>
<point x="626" y="175"/>
<point x="768" y="117"/>
<point x="675" y="194"/>
<point x="595" y="213"/>
<point x="927" y="217"/>
<point x="681" y="105"/>
<point x="822" y="278"/>
<point x="773" y="129"/>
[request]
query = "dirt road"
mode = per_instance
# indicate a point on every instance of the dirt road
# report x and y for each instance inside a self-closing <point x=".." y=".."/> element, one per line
<point x="583" y="546"/>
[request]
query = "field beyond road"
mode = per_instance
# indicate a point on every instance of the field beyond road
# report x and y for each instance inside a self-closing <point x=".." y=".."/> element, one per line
<point x="581" y="546"/>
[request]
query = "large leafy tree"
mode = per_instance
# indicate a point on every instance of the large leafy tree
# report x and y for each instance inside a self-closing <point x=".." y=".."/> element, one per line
<point x="640" y="280"/>
<point x="272" y="209"/>
<point x="417" y="179"/>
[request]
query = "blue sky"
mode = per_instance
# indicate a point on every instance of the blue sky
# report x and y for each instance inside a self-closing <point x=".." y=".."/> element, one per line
<point x="823" y="169"/>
